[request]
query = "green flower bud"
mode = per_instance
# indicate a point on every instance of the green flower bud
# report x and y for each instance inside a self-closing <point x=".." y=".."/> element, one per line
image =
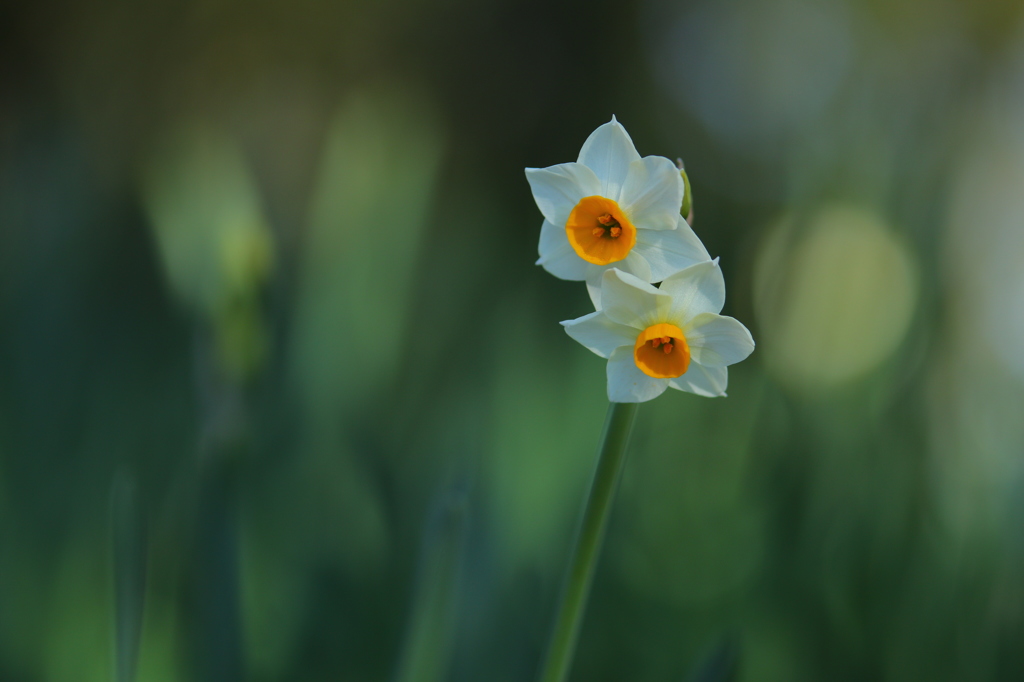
<point x="687" y="206"/>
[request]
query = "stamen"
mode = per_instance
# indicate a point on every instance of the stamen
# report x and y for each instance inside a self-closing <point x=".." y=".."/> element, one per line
<point x="655" y="342"/>
<point x="667" y="348"/>
<point x="605" y="219"/>
<point x="666" y="339"/>
<point x="598" y="231"/>
<point x="616" y="231"/>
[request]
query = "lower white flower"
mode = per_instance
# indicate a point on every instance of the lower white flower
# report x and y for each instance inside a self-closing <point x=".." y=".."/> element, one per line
<point x="668" y="337"/>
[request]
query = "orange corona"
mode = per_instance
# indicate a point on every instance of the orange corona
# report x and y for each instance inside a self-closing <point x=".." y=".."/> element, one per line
<point x="661" y="351"/>
<point x="599" y="231"/>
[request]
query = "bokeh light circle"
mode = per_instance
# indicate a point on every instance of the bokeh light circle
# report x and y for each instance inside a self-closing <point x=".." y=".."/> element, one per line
<point x="833" y="299"/>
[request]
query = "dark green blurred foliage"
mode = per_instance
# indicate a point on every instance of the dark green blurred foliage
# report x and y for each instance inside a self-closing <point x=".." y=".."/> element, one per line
<point x="304" y="227"/>
<point x="720" y="665"/>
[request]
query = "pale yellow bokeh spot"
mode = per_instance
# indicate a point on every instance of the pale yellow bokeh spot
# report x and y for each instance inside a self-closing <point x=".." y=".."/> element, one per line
<point x="834" y="296"/>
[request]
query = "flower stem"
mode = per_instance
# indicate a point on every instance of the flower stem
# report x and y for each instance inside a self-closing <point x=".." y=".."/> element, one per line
<point x="614" y="443"/>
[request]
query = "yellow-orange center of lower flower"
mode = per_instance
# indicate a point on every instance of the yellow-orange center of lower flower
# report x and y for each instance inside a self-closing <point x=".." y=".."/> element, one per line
<point x="661" y="351"/>
<point x="599" y="231"/>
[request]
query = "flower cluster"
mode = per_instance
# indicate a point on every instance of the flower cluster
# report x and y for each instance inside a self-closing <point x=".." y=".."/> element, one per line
<point x="612" y="219"/>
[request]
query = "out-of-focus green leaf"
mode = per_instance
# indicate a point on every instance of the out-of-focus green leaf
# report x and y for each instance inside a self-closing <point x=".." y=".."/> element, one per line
<point x="367" y="220"/>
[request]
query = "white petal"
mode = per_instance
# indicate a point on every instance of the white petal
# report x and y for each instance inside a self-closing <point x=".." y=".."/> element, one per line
<point x="557" y="189"/>
<point x="710" y="382"/>
<point x="637" y="265"/>
<point x="631" y="301"/>
<point x="599" y="334"/>
<point x="557" y="255"/>
<point x="669" y="251"/>
<point x="694" y="290"/>
<point x="653" y="193"/>
<point x="717" y="340"/>
<point x="626" y="383"/>
<point x="634" y="264"/>
<point x="595" y="275"/>
<point x="608" y="152"/>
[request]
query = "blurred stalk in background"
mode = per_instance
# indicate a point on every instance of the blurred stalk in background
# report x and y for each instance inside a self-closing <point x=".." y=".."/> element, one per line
<point x="130" y="549"/>
<point x="217" y="254"/>
<point x="427" y="650"/>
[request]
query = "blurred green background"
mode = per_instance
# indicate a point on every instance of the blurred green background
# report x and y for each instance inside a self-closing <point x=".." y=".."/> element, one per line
<point x="280" y="255"/>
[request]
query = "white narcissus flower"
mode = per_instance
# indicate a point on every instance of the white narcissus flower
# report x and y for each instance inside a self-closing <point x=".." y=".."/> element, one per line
<point x="668" y="337"/>
<point x="613" y="209"/>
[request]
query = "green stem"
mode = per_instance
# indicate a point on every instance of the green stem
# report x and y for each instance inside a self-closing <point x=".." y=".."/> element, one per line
<point x="614" y="443"/>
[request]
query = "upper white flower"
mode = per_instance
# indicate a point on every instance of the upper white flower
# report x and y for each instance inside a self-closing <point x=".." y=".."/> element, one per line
<point x="668" y="337"/>
<point x="613" y="209"/>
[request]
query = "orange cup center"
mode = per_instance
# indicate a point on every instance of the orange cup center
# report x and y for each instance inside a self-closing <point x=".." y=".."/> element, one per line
<point x="661" y="351"/>
<point x="599" y="231"/>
